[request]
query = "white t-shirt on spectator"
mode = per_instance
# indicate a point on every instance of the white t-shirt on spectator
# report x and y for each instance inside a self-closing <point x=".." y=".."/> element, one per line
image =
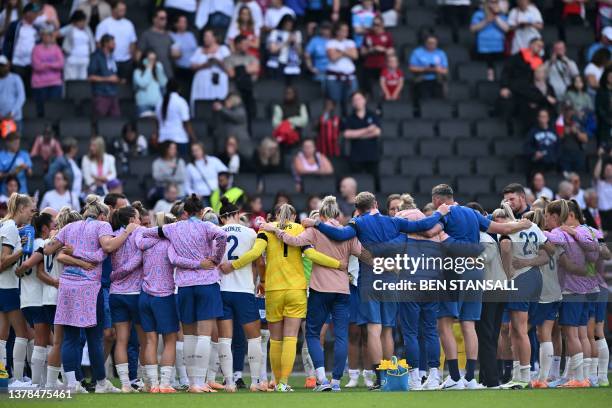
<point x="80" y="46"/>
<point x="522" y="36"/>
<point x="203" y="86"/>
<point x="172" y="129"/>
<point x="124" y="34"/>
<point x="273" y="16"/>
<point x="592" y="69"/>
<point x="162" y="206"/>
<point x="185" y="5"/>
<point x="56" y="201"/>
<point x="604" y="194"/>
<point x="26" y="40"/>
<point x="202" y="177"/>
<point x="343" y="65"/>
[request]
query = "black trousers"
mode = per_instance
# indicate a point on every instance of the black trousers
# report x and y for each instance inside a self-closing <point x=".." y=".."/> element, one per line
<point x="487" y="330"/>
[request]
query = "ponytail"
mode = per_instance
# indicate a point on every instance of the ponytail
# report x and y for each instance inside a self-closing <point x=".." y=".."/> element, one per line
<point x="329" y="208"/>
<point x="162" y="218"/>
<point x="537" y="217"/>
<point x="504" y="212"/>
<point x="94" y="207"/>
<point x="39" y="220"/>
<point x="283" y="215"/>
<point x="407" y="202"/>
<point x="171" y="87"/>
<point x="193" y="205"/>
<point x="122" y="216"/>
<point x="574" y="208"/>
<point x="15" y="203"/>
<point x="560" y="208"/>
<point x="142" y="211"/>
<point x="227" y="208"/>
<point x="67" y="216"/>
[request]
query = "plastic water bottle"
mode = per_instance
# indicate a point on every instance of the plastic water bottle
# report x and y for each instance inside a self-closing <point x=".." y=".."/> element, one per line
<point x="28" y="246"/>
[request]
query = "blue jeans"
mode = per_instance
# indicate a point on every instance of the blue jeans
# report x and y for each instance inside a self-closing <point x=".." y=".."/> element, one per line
<point x="424" y="314"/>
<point x="340" y="91"/>
<point x="41" y="95"/>
<point x="72" y="348"/>
<point x="320" y="305"/>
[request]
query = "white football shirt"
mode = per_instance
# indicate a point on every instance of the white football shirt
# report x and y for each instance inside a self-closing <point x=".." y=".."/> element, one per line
<point x="9" y="236"/>
<point x="31" y="286"/>
<point x="240" y="239"/>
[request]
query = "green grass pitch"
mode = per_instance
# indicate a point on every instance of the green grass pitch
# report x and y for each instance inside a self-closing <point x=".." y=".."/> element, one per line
<point x="302" y="398"/>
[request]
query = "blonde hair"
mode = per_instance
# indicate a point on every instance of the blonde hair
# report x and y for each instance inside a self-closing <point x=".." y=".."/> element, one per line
<point x="100" y="147"/>
<point x="15" y="203"/>
<point x="536" y="216"/>
<point x="67" y="215"/>
<point x="94" y="207"/>
<point x="504" y="212"/>
<point x="329" y="207"/>
<point x="284" y="214"/>
<point x="560" y="208"/>
<point x="407" y="202"/>
<point x="541" y="203"/>
<point x="162" y="218"/>
<point x="269" y="152"/>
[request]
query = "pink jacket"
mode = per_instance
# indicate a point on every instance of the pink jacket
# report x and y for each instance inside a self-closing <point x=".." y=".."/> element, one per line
<point x="47" y="66"/>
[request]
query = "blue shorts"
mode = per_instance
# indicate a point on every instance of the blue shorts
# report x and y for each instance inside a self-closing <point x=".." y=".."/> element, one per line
<point x="544" y="312"/>
<point x="355" y="316"/>
<point x="506" y="316"/>
<point x="124" y="308"/>
<point x="200" y="302"/>
<point x="375" y="312"/>
<point x="462" y="310"/>
<point x="108" y="323"/>
<point x="573" y="311"/>
<point x="239" y="306"/>
<point x="598" y="308"/>
<point x="529" y="287"/>
<point x="158" y="314"/>
<point x="260" y="303"/>
<point x="9" y="300"/>
<point x="49" y="311"/>
<point x="34" y="315"/>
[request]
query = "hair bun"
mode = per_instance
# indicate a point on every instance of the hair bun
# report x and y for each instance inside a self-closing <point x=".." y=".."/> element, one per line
<point x="92" y="199"/>
<point x="225" y="200"/>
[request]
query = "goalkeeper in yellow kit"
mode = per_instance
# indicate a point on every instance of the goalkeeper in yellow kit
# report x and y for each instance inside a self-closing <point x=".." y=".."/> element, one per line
<point x="285" y="286"/>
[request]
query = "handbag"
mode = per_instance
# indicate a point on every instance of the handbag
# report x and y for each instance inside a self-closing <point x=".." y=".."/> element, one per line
<point x="394" y="375"/>
<point x="286" y="134"/>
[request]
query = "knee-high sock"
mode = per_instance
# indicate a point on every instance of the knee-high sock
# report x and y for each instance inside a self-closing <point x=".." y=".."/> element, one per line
<point x="226" y="359"/>
<point x="287" y="358"/>
<point x="586" y="367"/>
<point x="213" y="362"/>
<point x="555" y="367"/>
<point x="265" y="338"/>
<point x="52" y="375"/>
<point x="276" y="352"/>
<point x="546" y="358"/>
<point x="3" y="353"/>
<point x="151" y="375"/>
<point x="202" y="357"/>
<point x="255" y="356"/>
<point x="19" y="355"/>
<point x="123" y="371"/>
<point x="576" y="362"/>
<point x="309" y="368"/>
<point x="603" y="358"/>
<point x="29" y="351"/>
<point x="166" y="376"/>
<point x="39" y="355"/>
<point x="189" y="352"/>
<point x="180" y="362"/>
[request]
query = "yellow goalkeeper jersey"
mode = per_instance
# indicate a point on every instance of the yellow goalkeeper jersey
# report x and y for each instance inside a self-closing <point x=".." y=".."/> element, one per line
<point x="284" y="265"/>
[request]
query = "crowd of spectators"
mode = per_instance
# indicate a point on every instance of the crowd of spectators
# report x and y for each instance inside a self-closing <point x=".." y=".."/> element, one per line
<point x="203" y="59"/>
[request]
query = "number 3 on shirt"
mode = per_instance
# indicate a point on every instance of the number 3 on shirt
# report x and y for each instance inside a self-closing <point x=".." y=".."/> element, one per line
<point x="231" y="239"/>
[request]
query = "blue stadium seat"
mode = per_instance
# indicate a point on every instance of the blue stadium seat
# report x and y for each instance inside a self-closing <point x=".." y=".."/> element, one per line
<point x="418" y="128"/>
<point x="276" y="182"/>
<point x="472" y="185"/>
<point x="454" y="128"/>
<point x="472" y="147"/>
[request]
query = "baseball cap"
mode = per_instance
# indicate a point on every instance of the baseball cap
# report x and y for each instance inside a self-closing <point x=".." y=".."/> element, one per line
<point x="31" y="7"/>
<point x="607" y="32"/>
<point x="3" y="60"/>
<point x="114" y="183"/>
